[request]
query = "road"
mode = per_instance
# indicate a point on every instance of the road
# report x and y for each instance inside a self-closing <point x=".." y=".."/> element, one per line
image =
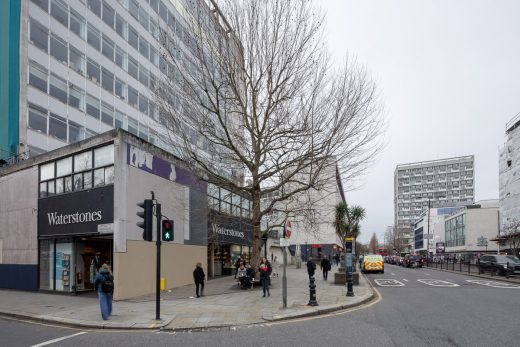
<point x="417" y="307"/>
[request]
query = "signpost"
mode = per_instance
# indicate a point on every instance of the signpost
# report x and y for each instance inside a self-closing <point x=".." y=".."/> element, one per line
<point x="287" y="230"/>
<point x="348" y="253"/>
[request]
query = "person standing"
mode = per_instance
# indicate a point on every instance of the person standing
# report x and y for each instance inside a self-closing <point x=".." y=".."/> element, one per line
<point x="276" y="267"/>
<point x="199" y="276"/>
<point x="104" y="285"/>
<point x="325" y="267"/>
<point x="311" y="267"/>
<point x="240" y="261"/>
<point x="265" y="270"/>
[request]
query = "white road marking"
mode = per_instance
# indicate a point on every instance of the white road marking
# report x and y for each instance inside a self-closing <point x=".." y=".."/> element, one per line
<point x="58" y="339"/>
<point x="438" y="283"/>
<point x="393" y="274"/>
<point x="404" y="279"/>
<point x="390" y="282"/>
<point x="494" y="284"/>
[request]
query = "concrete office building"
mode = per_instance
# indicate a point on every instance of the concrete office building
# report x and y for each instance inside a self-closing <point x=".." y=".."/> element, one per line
<point x="441" y="183"/>
<point x="74" y="69"/>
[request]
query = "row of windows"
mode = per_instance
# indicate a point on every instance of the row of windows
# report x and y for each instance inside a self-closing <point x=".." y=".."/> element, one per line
<point x="220" y="199"/>
<point x="90" y="169"/>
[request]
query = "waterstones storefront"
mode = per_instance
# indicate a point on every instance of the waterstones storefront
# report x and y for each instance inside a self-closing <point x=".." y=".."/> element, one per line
<point x="75" y="219"/>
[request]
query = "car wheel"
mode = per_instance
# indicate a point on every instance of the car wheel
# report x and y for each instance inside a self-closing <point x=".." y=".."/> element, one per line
<point x="498" y="272"/>
<point x="383" y="271"/>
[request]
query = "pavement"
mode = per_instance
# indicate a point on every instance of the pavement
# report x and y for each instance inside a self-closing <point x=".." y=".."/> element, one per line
<point x="224" y="304"/>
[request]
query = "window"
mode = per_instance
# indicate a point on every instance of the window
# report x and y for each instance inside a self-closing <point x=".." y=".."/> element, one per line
<point x="59" y="186"/>
<point x="46" y="171"/>
<point x="99" y="177"/>
<point x="143" y="132"/>
<point x="107" y="114"/>
<point x="163" y="66"/>
<point x="39" y="35"/>
<point x="38" y="118"/>
<point x="57" y="127"/>
<point x="154" y="56"/>
<point x="75" y="132"/>
<point x="154" y="4"/>
<point x="76" y="60"/>
<point x="93" y="106"/>
<point x="77" y="97"/>
<point x="144" y="19"/>
<point x="132" y="68"/>
<point x="93" y="71"/>
<point x="107" y="81"/>
<point x="133" y="37"/>
<point x="132" y="126"/>
<point x="59" y="48"/>
<point x="64" y="167"/>
<point x="78" y="181"/>
<point x="132" y="96"/>
<point x="121" y="28"/>
<point x="68" y="184"/>
<point x="163" y="11"/>
<point x="109" y="175"/>
<point x="120" y="58"/>
<point x="119" y="117"/>
<point x="83" y="161"/>
<point x="58" y="88"/>
<point x="143" y="104"/>
<point x="143" y="76"/>
<point x="120" y="89"/>
<point x="108" y="48"/>
<point x="104" y="156"/>
<point x="38" y="76"/>
<point x="143" y="47"/>
<point x="60" y="11"/>
<point x="94" y="37"/>
<point x="89" y="133"/>
<point x="95" y="7"/>
<point x="87" y="180"/>
<point x="77" y="24"/>
<point x="133" y="8"/>
<point x="108" y="15"/>
<point x="43" y="4"/>
<point x="154" y="29"/>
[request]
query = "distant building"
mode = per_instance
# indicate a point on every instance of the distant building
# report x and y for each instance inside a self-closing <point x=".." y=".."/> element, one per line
<point x="425" y="229"/>
<point x="444" y="183"/>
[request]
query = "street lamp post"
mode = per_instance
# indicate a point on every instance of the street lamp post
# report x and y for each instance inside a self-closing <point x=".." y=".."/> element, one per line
<point x="264" y="238"/>
<point x="428" y="244"/>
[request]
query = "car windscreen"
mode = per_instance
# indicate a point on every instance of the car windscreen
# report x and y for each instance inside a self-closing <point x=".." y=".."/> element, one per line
<point x="513" y="258"/>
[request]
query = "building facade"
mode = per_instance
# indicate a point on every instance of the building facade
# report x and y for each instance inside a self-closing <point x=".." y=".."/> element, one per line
<point x="440" y="183"/>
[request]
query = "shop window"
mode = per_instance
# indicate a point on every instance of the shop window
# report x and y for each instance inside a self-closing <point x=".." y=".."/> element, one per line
<point x="121" y="27"/>
<point x="37" y="119"/>
<point x="95" y="7"/>
<point x="58" y="127"/>
<point x="67" y="184"/>
<point x="93" y="108"/>
<point x="59" y="186"/>
<point x="77" y="60"/>
<point x="132" y="126"/>
<point x="132" y="68"/>
<point x="107" y="80"/>
<point x="104" y="156"/>
<point x="58" y="48"/>
<point x="108" y="48"/>
<point x="94" y="37"/>
<point x="99" y="177"/>
<point x="46" y="171"/>
<point x="143" y="104"/>
<point x="58" y="88"/>
<point x="60" y="12"/>
<point x="143" y="47"/>
<point x="93" y="71"/>
<point x="83" y="161"/>
<point x="75" y="132"/>
<point x="38" y="76"/>
<point x="39" y="35"/>
<point x="46" y="264"/>
<point x="43" y="4"/>
<point x="108" y="14"/>
<point x="120" y="58"/>
<point x="77" y="24"/>
<point x="77" y="98"/>
<point x="87" y="180"/>
<point x="143" y="76"/>
<point x="107" y="114"/>
<point x="64" y="167"/>
<point x="133" y="37"/>
<point x="120" y="89"/>
<point x="132" y="96"/>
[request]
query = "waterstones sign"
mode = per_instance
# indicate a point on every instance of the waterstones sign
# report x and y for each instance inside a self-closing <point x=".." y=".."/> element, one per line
<point x="76" y="213"/>
<point x="217" y="229"/>
<point x="229" y="229"/>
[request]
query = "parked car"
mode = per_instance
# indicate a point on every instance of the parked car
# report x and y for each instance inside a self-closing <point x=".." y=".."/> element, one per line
<point x="413" y="260"/>
<point x="499" y="264"/>
<point x="373" y="263"/>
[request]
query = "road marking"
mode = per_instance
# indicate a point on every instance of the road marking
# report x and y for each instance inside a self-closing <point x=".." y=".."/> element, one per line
<point x="389" y="282"/>
<point x="494" y="284"/>
<point x="393" y="274"/>
<point x="438" y="283"/>
<point x="404" y="279"/>
<point x="58" y="339"/>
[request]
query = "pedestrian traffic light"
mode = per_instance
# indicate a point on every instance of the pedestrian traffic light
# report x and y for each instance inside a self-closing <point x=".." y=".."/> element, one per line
<point x="167" y="230"/>
<point x="147" y="215"/>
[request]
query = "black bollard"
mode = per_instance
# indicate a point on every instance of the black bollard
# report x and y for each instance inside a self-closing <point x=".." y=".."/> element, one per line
<point x="312" y="292"/>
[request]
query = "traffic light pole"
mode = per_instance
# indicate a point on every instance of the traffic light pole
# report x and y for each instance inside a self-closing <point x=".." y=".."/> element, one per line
<point x="158" y="274"/>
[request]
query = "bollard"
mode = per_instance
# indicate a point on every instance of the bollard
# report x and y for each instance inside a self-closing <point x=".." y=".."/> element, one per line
<point x="478" y="265"/>
<point x="312" y="292"/>
<point x="507" y="270"/>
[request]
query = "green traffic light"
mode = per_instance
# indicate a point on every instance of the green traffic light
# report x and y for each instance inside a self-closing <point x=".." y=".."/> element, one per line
<point x="167" y="230"/>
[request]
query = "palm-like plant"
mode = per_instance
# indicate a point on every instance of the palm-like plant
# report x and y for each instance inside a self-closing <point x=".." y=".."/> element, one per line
<point x="347" y="220"/>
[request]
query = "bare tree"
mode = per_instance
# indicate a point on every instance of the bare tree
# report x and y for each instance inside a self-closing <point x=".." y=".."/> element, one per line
<point x="257" y="107"/>
<point x="510" y="236"/>
<point x="373" y="244"/>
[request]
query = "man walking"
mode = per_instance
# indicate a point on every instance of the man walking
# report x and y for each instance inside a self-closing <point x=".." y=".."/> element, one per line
<point x="311" y="267"/>
<point x="325" y="267"/>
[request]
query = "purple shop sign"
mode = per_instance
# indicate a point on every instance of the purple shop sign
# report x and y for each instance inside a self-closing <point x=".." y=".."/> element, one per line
<point x="150" y="163"/>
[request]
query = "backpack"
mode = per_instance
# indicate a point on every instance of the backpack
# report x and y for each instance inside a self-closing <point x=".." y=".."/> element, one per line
<point x="107" y="285"/>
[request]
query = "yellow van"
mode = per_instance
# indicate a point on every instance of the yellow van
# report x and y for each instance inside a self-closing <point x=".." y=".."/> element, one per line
<point x="373" y="263"/>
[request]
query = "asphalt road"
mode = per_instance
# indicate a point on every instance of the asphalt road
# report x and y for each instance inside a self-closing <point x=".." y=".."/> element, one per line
<point x="417" y="307"/>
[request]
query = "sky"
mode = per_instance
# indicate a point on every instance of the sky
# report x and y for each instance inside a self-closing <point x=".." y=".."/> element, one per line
<point x="449" y="75"/>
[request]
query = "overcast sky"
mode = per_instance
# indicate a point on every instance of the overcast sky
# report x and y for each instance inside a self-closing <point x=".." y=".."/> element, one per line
<point x="449" y="72"/>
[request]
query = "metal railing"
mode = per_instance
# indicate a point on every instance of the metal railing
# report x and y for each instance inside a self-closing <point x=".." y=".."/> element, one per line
<point x="471" y="268"/>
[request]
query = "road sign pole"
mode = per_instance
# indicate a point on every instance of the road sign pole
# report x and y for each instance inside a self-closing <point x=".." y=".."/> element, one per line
<point x="158" y="274"/>
<point x="284" y="278"/>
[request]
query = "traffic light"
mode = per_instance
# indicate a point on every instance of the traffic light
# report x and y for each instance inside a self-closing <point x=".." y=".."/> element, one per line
<point x="147" y="215"/>
<point x="167" y="230"/>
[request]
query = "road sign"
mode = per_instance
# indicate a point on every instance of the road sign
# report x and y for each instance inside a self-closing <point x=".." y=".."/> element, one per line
<point x="482" y="241"/>
<point x="288" y="229"/>
<point x="349" y="238"/>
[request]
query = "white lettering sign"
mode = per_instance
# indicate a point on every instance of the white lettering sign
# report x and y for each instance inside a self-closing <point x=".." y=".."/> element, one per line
<point x="74" y="218"/>
<point x="228" y="232"/>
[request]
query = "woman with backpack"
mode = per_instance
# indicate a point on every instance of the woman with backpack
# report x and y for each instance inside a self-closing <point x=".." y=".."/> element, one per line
<point x="104" y="285"/>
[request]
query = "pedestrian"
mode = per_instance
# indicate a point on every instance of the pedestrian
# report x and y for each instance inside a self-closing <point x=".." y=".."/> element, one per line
<point x="276" y="267"/>
<point x="265" y="270"/>
<point x="311" y="267"/>
<point x="240" y="260"/>
<point x="325" y="267"/>
<point x="199" y="276"/>
<point x="104" y="285"/>
<point x="95" y="265"/>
